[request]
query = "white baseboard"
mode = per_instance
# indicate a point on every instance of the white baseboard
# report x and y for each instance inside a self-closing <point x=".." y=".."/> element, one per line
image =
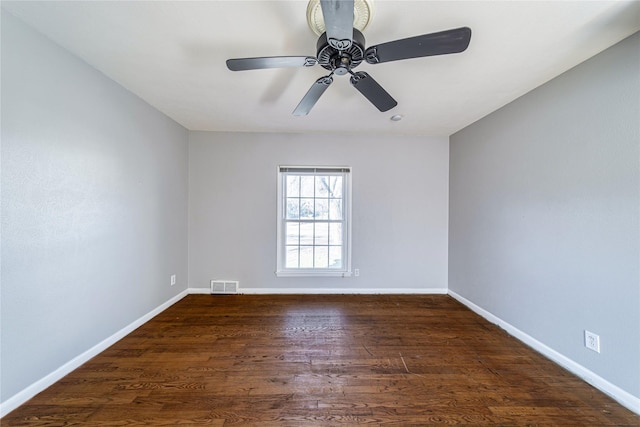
<point x="329" y="291"/>
<point x="621" y="396"/>
<point x="23" y="396"/>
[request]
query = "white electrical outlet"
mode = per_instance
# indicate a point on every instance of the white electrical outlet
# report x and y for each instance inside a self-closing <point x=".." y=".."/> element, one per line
<point x="356" y="272"/>
<point x="592" y="341"/>
<point x="173" y="279"/>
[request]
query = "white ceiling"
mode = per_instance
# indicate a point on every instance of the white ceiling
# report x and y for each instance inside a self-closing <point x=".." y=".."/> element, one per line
<point x="172" y="54"/>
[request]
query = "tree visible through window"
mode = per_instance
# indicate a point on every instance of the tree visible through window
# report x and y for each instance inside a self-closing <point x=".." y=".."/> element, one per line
<point x="313" y="221"/>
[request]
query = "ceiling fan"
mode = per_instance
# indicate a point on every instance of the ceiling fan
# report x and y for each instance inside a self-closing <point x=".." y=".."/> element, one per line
<point x="341" y="48"/>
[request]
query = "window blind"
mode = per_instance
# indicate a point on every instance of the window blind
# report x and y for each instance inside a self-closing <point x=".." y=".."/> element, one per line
<point x="302" y="169"/>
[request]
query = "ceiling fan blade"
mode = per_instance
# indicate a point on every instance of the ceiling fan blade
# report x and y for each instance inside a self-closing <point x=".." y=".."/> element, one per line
<point x="312" y="96"/>
<point x="444" y="42"/>
<point x="379" y="97"/>
<point x="242" y="64"/>
<point x="338" y="21"/>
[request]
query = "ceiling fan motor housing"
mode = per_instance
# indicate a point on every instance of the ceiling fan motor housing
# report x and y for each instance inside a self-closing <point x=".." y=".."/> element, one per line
<point x="340" y="61"/>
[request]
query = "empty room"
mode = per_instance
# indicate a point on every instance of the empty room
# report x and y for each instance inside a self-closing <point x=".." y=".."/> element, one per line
<point x="318" y="213"/>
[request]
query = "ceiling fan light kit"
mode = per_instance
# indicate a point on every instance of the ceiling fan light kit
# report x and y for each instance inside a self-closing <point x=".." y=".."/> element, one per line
<point x="362" y="15"/>
<point x="341" y="48"/>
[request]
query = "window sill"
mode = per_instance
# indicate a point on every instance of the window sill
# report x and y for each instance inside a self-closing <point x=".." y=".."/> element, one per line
<point x="307" y="273"/>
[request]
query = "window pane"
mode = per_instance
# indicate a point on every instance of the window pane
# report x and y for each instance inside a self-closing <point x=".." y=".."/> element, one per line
<point x="335" y="184"/>
<point x="322" y="186"/>
<point x="335" y="234"/>
<point x="306" y="208"/>
<point x="322" y="233"/>
<point x="335" y="209"/>
<point x="322" y="209"/>
<point x="335" y="256"/>
<point x="306" y="257"/>
<point x="321" y="257"/>
<point x="293" y="186"/>
<point x="306" y="186"/>
<point x="293" y="208"/>
<point x="291" y="260"/>
<point x="306" y="233"/>
<point x="293" y="233"/>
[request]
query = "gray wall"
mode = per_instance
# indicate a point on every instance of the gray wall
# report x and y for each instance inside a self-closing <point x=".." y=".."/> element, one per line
<point x="94" y="207"/>
<point x="545" y="210"/>
<point x="400" y="193"/>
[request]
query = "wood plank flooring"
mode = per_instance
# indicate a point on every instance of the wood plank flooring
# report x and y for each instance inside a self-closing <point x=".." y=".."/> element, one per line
<point x="319" y="360"/>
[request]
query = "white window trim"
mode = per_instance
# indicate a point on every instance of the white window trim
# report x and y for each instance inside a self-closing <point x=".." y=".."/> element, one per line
<point x="314" y="272"/>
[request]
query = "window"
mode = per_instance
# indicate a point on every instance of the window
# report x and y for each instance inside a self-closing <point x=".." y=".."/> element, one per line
<point x="314" y="221"/>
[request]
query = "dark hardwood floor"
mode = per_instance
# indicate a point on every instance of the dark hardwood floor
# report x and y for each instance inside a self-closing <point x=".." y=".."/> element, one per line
<point x="319" y="361"/>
